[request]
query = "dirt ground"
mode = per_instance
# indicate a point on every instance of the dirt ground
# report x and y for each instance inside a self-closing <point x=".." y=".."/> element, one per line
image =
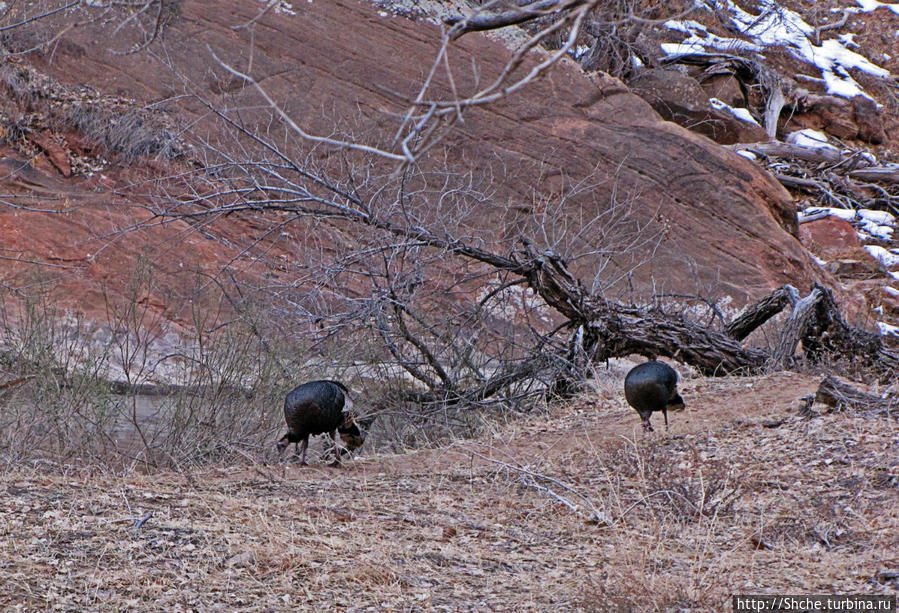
<point x="574" y="509"/>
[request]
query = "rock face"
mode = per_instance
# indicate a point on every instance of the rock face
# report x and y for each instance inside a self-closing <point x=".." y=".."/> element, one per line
<point x="719" y="219"/>
<point x="680" y="98"/>
<point x="857" y="118"/>
<point x="830" y="237"/>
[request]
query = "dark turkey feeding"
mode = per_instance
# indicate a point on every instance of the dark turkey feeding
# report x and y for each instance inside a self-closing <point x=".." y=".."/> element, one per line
<point x="651" y="387"/>
<point x="316" y="408"/>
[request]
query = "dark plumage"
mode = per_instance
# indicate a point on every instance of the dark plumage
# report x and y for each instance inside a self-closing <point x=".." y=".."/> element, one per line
<point x="315" y="408"/>
<point x="652" y="386"/>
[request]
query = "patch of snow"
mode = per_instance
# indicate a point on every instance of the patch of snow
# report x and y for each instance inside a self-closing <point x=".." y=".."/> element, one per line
<point x="878" y="224"/>
<point x="868" y="157"/>
<point x="870" y="5"/>
<point x="740" y="113"/>
<point x="283" y="7"/>
<point x="887" y="329"/>
<point x="687" y="27"/>
<point x="884" y="256"/>
<point x="749" y="155"/>
<point x="892" y="291"/>
<point x="809" y="138"/>
<point x="702" y="40"/>
<point x="579" y="51"/>
<point x="638" y="63"/>
<point x="815" y="210"/>
<point x="778" y="26"/>
<point x="879" y="217"/>
<point x="848" y="40"/>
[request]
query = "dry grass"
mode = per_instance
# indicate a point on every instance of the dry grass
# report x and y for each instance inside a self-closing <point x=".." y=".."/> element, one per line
<point x="570" y="511"/>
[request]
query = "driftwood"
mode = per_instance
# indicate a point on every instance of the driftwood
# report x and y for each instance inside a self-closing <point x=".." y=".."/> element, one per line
<point x="879" y="174"/>
<point x="842" y="396"/>
<point x="753" y="316"/>
<point x="797" y="152"/>
<point x="480" y="22"/>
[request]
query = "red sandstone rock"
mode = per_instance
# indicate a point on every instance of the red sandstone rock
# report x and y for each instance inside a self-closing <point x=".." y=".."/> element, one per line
<point x="830" y="237"/>
<point x="680" y="98"/>
<point x="726" y="223"/>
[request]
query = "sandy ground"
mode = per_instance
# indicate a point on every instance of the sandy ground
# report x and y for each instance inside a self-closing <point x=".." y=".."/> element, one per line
<point x="574" y="509"/>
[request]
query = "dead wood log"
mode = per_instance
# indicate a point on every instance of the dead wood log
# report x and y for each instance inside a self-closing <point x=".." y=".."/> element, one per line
<point x="809" y="185"/>
<point x="615" y="330"/>
<point x="787" y="150"/>
<point x="878" y="174"/>
<point x="755" y="315"/>
<point x="842" y="396"/>
<point x="480" y="22"/>
<point x="795" y="329"/>
<point x="773" y="107"/>
<point x="629" y="331"/>
<point x="831" y="335"/>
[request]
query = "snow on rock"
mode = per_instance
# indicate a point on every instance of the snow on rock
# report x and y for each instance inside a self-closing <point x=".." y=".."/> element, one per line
<point x="282" y="7"/>
<point x="740" y="113"/>
<point x="884" y="256"/>
<point x="775" y="26"/>
<point x="887" y="329"/>
<point x="871" y="223"/>
<point x="878" y="224"/>
<point x="810" y="138"/>
<point x="870" y="5"/>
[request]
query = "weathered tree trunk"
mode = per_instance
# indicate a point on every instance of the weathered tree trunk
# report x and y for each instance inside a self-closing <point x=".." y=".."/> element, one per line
<point x="616" y="330"/>
<point x="830" y="335"/>
<point x="795" y="329"/>
<point x="755" y="315"/>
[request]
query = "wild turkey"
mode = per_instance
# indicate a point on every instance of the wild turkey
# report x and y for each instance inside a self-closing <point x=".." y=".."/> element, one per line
<point x="315" y="408"/>
<point x="652" y="386"/>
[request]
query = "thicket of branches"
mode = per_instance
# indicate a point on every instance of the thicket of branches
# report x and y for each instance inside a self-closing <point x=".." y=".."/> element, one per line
<point x="455" y="315"/>
<point x="410" y="276"/>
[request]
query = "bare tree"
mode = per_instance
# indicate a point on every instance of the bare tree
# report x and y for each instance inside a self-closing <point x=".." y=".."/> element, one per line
<point x="403" y="278"/>
<point x="29" y="26"/>
<point x="400" y="280"/>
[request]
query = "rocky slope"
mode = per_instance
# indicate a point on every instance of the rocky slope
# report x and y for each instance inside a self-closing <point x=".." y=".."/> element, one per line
<point x="728" y="229"/>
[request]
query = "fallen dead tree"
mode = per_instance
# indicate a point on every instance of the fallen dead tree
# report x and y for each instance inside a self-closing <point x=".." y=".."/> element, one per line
<point x="615" y="330"/>
<point x="835" y="177"/>
<point x="404" y="231"/>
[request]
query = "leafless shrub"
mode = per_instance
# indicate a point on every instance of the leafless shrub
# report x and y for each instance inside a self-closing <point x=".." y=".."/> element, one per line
<point x="127" y="133"/>
<point x="63" y="408"/>
<point x="134" y="392"/>
<point x="122" y="130"/>
<point x="678" y="484"/>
